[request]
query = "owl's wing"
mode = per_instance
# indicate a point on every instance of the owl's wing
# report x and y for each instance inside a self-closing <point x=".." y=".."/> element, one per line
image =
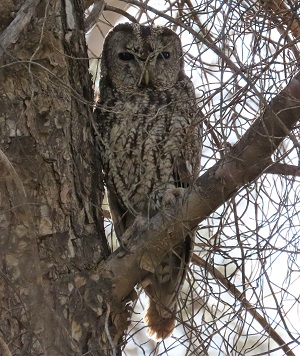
<point x="183" y="173"/>
<point x="121" y="217"/>
<point x="117" y="213"/>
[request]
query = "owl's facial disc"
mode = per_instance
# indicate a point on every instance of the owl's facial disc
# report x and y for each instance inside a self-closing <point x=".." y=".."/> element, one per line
<point x="139" y="57"/>
<point x="140" y="64"/>
<point x="145" y="62"/>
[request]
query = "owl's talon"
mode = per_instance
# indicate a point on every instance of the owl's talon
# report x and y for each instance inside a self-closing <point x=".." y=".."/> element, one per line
<point x="173" y="196"/>
<point x="131" y="232"/>
<point x="121" y="252"/>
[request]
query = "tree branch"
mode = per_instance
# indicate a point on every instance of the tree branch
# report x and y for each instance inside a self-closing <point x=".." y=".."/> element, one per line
<point x="284" y="169"/>
<point x="120" y="12"/>
<point x="247" y="159"/>
<point x="94" y="15"/>
<point x="242" y="298"/>
<point x="11" y="33"/>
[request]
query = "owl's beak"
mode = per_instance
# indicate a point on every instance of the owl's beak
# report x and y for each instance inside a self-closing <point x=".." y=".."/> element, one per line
<point x="146" y="77"/>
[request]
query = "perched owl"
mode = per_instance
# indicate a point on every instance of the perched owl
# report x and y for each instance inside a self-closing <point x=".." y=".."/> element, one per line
<point x="150" y="143"/>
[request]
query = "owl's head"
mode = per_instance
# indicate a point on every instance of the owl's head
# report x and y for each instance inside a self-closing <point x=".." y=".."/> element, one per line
<point x="136" y="57"/>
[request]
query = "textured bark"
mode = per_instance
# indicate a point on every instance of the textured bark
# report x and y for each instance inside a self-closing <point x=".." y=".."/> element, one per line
<point x="50" y="186"/>
<point x="60" y="293"/>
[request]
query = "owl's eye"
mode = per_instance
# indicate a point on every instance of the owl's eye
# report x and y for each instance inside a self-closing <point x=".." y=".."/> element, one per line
<point x="126" y="56"/>
<point x="164" y="55"/>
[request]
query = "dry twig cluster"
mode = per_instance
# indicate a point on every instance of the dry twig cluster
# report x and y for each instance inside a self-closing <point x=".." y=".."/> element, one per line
<point x="241" y="297"/>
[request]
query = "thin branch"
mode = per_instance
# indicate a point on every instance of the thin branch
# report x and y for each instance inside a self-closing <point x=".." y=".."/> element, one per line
<point x="285" y="15"/>
<point x="11" y="33"/>
<point x="195" y="16"/>
<point x="205" y="41"/>
<point x="246" y="161"/>
<point x="246" y="304"/>
<point x="120" y="12"/>
<point x="87" y="3"/>
<point x="238" y="71"/>
<point x="94" y="15"/>
<point x="113" y="348"/>
<point x="284" y="169"/>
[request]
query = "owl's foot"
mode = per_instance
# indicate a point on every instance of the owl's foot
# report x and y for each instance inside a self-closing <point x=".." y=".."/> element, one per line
<point x="132" y="231"/>
<point x="172" y="198"/>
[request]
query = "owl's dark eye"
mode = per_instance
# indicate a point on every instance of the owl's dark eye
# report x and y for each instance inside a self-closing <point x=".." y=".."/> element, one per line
<point x="164" y="55"/>
<point x="126" y="56"/>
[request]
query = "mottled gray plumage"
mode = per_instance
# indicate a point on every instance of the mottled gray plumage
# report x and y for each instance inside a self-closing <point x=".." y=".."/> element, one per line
<point x="149" y="143"/>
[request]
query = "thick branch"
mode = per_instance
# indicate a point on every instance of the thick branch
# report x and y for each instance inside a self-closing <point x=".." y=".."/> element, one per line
<point x="247" y="159"/>
<point x="284" y="169"/>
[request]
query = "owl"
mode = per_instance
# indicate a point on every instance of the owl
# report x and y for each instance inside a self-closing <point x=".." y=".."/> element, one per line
<point x="149" y="144"/>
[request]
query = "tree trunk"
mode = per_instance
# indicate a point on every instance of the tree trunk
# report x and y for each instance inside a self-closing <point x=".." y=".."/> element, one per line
<point x="59" y="293"/>
<point x="50" y="184"/>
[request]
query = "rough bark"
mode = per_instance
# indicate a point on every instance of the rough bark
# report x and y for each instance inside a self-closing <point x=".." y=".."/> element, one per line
<point x="50" y="185"/>
<point x="61" y="291"/>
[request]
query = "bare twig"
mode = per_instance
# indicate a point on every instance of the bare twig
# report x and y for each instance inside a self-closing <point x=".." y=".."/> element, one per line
<point x="238" y="71"/>
<point x="23" y="17"/>
<point x="195" y="16"/>
<point x="96" y="12"/>
<point x="247" y="159"/>
<point x="284" y="14"/>
<point x="88" y="3"/>
<point x="111" y="342"/>
<point x="240" y="296"/>
<point x="121" y="12"/>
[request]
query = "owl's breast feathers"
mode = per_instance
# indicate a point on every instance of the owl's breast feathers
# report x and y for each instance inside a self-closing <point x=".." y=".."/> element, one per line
<point x="150" y="142"/>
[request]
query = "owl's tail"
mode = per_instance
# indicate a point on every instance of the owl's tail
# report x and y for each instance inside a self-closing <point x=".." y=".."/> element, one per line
<point x="159" y="327"/>
<point x="163" y="288"/>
